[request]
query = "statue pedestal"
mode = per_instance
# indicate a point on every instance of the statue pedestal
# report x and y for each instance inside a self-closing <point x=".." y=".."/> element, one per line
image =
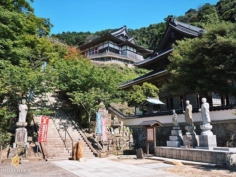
<point x="206" y="129"/>
<point x="21" y="135"/>
<point x="190" y="138"/>
<point x="207" y="139"/>
<point x="176" y="138"/>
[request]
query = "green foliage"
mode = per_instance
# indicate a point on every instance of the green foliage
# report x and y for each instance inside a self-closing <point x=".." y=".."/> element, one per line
<point x="5" y="122"/>
<point x="87" y="84"/>
<point x="147" y="36"/>
<point x="214" y="57"/>
<point x="24" y="47"/>
<point x="205" y="14"/>
<point x="138" y="94"/>
<point x="150" y="36"/>
<point x="17" y="5"/>
<point x="227" y="10"/>
<point x="89" y="100"/>
<point x="72" y="38"/>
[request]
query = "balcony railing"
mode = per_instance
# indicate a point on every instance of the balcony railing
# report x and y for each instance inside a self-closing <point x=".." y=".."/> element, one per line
<point x="133" y="58"/>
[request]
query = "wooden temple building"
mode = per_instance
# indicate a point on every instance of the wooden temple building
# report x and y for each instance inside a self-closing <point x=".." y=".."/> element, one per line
<point x="158" y="62"/>
<point x="115" y="47"/>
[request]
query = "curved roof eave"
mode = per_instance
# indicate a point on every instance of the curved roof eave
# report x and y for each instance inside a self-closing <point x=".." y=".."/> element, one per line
<point x="150" y="60"/>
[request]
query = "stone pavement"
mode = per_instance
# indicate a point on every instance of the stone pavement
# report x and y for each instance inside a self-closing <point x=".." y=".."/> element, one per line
<point x="98" y="167"/>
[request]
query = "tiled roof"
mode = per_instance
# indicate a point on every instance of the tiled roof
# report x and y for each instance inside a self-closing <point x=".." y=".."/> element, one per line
<point x="153" y="58"/>
<point x="186" y="28"/>
<point x="122" y="30"/>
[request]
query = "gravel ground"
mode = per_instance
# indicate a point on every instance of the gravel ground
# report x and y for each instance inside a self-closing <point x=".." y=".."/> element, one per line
<point x="198" y="171"/>
<point x="185" y="170"/>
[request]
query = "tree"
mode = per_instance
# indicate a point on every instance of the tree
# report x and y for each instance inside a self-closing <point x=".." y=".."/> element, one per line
<point x="138" y="94"/>
<point x="226" y="10"/>
<point x="89" y="100"/>
<point x="24" y="47"/>
<point x="205" y="64"/>
<point x="21" y="33"/>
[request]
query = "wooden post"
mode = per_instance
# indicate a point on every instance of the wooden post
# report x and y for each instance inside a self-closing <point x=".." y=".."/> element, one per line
<point x="147" y="146"/>
<point x="154" y="138"/>
<point x="0" y="154"/>
<point x="74" y="151"/>
<point x="79" y="150"/>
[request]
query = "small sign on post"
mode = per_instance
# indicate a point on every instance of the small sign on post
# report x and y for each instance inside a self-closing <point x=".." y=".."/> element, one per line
<point x="43" y="129"/>
<point x="150" y="132"/>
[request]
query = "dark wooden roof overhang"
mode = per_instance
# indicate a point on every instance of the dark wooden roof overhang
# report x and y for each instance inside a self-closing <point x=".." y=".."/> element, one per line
<point x="153" y="77"/>
<point x="150" y="123"/>
<point x="148" y="63"/>
<point x="186" y="29"/>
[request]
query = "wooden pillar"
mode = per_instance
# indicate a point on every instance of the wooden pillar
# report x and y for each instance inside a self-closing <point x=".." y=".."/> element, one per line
<point x="79" y="150"/>
<point x="154" y="137"/>
<point x="74" y="151"/>
<point x="147" y="146"/>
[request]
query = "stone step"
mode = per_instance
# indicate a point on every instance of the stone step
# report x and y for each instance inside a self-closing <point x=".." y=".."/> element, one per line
<point x="58" y="158"/>
<point x="55" y="144"/>
<point x="57" y="150"/>
<point x="84" y="148"/>
<point x="58" y="154"/>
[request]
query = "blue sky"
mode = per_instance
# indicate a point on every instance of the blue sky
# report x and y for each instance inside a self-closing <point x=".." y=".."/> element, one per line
<point x="96" y="15"/>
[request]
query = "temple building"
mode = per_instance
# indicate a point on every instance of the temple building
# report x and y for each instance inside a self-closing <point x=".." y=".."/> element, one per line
<point x="115" y="47"/>
<point x="158" y="63"/>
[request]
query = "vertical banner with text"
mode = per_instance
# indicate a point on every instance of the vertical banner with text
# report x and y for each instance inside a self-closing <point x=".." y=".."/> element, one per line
<point x="98" y="123"/>
<point x="43" y="129"/>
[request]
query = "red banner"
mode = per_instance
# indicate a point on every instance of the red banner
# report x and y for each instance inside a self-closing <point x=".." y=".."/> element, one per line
<point x="43" y="129"/>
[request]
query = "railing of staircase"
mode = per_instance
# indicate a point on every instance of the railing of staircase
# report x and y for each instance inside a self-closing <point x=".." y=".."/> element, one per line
<point x="80" y="130"/>
<point x="40" y="145"/>
<point x="64" y="124"/>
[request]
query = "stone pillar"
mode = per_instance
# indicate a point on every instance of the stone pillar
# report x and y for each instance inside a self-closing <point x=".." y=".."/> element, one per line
<point x="176" y="138"/>
<point x="21" y="135"/>
<point x="207" y="139"/>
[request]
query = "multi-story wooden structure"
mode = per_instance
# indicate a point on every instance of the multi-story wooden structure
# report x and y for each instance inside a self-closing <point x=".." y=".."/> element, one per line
<point x="158" y="62"/>
<point x="115" y="47"/>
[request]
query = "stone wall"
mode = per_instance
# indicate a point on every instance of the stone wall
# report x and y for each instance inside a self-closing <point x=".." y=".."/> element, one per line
<point x="225" y="132"/>
<point x="222" y="158"/>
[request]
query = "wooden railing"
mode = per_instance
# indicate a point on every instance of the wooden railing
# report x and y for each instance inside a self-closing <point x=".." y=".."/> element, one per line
<point x="124" y="57"/>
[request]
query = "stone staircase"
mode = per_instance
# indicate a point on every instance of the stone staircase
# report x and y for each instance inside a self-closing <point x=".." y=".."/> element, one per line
<point x="62" y="135"/>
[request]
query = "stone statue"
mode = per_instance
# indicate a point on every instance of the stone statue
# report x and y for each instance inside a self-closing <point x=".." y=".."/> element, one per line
<point x="112" y="131"/>
<point x="174" y="119"/>
<point x="205" y="112"/>
<point x="188" y="114"/>
<point x="22" y="111"/>
<point x="116" y="121"/>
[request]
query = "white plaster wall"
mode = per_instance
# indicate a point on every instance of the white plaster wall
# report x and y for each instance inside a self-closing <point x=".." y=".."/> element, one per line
<point x="215" y="116"/>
